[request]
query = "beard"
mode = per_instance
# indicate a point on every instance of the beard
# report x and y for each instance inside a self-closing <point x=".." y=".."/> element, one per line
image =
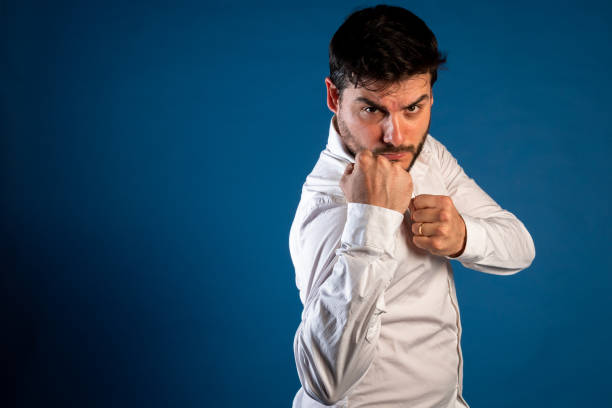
<point x="353" y="146"/>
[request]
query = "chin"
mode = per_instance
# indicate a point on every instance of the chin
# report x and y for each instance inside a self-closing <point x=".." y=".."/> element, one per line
<point x="407" y="165"/>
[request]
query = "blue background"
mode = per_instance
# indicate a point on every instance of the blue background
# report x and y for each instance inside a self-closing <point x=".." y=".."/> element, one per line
<point x="152" y="157"/>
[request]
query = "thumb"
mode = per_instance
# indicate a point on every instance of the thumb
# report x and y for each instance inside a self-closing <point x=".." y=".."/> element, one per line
<point x="411" y="207"/>
<point x="345" y="177"/>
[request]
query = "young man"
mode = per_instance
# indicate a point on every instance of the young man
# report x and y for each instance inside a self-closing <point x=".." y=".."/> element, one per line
<point x="382" y="212"/>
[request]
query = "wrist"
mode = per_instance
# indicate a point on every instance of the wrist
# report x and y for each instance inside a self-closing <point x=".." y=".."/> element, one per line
<point x="464" y="240"/>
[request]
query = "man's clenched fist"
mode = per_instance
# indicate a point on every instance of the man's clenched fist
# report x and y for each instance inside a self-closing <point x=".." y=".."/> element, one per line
<point x="437" y="226"/>
<point x="377" y="181"/>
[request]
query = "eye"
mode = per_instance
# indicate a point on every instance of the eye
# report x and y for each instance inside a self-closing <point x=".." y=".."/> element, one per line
<point x="370" y="109"/>
<point x="412" y="108"/>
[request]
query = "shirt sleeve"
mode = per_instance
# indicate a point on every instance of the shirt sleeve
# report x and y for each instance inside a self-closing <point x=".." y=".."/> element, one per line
<point x="497" y="242"/>
<point x="343" y="260"/>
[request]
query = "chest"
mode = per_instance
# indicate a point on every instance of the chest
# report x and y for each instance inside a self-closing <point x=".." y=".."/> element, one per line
<point x="417" y="269"/>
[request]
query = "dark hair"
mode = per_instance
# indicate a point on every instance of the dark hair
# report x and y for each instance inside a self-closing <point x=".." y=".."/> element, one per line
<point x="382" y="43"/>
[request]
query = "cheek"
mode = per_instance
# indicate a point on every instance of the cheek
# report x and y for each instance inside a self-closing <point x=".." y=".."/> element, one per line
<point x="368" y="135"/>
<point x="418" y="126"/>
<point x="362" y="130"/>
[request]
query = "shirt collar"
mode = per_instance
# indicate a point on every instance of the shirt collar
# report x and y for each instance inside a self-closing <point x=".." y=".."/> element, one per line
<point x="335" y="145"/>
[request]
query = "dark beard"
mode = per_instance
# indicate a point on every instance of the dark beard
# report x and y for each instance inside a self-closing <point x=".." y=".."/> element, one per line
<point x="349" y="142"/>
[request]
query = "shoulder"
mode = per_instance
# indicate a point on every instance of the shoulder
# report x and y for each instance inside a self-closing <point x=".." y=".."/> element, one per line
<point x="321" y="197"/>
<point x="434" y="147"/>
<point x="439" y="155"/>
<point x="322" y="185"/>
<point x="315" y="233"/>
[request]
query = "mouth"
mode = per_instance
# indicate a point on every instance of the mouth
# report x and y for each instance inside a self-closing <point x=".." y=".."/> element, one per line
<point x="394" y="156"/>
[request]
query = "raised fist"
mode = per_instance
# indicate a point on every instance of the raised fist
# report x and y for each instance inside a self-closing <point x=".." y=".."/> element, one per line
<point x="377" y="181"/>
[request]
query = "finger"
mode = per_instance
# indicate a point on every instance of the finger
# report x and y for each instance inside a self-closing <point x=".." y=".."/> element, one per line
<point x="426" y="215"/>
<point x="429" y="244"/>
<point x="425" y="229"/>
<point x="364" y="153"/>
<point x="400" y="170"/>
<point x="421" y="242"/>
<point x="362" y="158"/>
<point x="346" y="176"/>
<point x="428" y="201"/>
<point x="382" y="159"/>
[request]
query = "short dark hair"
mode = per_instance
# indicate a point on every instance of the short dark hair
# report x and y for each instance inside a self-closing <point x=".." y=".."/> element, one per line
<point x="382" y="44"/>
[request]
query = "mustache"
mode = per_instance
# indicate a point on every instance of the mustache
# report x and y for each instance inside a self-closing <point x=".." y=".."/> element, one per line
<point x="390" y="150"/>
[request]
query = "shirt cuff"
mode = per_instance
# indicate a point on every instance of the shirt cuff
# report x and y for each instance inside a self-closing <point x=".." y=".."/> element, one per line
<point x="475" y="242"/>
<point x="371" y="225"/>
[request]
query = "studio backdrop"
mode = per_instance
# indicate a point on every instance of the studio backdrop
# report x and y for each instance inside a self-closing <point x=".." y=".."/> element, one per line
<point x="152" y="156"/>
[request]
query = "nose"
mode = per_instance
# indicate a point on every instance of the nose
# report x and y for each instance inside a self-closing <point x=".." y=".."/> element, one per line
<point x="393" y="133"/>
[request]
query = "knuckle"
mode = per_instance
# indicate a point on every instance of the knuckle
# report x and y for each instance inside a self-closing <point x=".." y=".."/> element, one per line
<point x="436" y="244"/>
<point x="363" y="159"/>
<point x="446" y="202"/>
<point x="382" y="159"/>
<point x="444" y="215"/>
<point x="364" y="153"/>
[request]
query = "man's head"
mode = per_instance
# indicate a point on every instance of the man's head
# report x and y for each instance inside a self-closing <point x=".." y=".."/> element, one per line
<point x="383" y="64"/>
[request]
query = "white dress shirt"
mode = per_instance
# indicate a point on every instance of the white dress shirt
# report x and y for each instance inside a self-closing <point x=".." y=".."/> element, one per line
<point x="381" y="324"/>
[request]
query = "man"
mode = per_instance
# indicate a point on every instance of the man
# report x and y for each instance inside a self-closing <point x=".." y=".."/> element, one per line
<point x="382" y="212"/>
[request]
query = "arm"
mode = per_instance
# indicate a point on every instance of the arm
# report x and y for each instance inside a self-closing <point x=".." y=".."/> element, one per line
<point x="497" y="242"/>
<point x="343" y="262"/>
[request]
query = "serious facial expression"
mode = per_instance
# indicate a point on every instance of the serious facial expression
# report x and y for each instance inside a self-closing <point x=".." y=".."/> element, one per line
<point x="393" y="122"/>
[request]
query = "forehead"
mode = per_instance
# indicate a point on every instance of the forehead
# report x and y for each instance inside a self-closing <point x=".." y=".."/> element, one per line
<point x="404" y="90"/>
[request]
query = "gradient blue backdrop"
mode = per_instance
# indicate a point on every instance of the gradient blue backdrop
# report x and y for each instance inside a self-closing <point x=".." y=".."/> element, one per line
<point x="152" y="157"/>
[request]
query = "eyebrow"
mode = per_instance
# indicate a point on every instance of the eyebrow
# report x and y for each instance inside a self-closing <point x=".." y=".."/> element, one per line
<point x="383" y="109"/>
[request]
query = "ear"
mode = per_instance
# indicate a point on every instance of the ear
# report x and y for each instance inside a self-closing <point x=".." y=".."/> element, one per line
<point x="333" y="96"/>
<point x="431" y="97"/>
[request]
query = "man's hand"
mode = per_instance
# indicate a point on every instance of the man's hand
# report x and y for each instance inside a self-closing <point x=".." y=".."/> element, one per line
<point x="377" y="181"/>
<point x="442" y="229"/>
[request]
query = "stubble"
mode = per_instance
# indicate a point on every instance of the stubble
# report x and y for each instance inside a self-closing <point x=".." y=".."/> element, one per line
<point x="353" y="146"/>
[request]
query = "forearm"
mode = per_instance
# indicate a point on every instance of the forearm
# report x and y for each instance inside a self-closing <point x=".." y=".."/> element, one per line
<point x="336" y="341"/>
<point x="498" y="245"/>
<point x="497" y="241"/>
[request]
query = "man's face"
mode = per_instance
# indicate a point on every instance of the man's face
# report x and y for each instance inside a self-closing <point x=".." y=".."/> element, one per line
<point x="393" y="122"/>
